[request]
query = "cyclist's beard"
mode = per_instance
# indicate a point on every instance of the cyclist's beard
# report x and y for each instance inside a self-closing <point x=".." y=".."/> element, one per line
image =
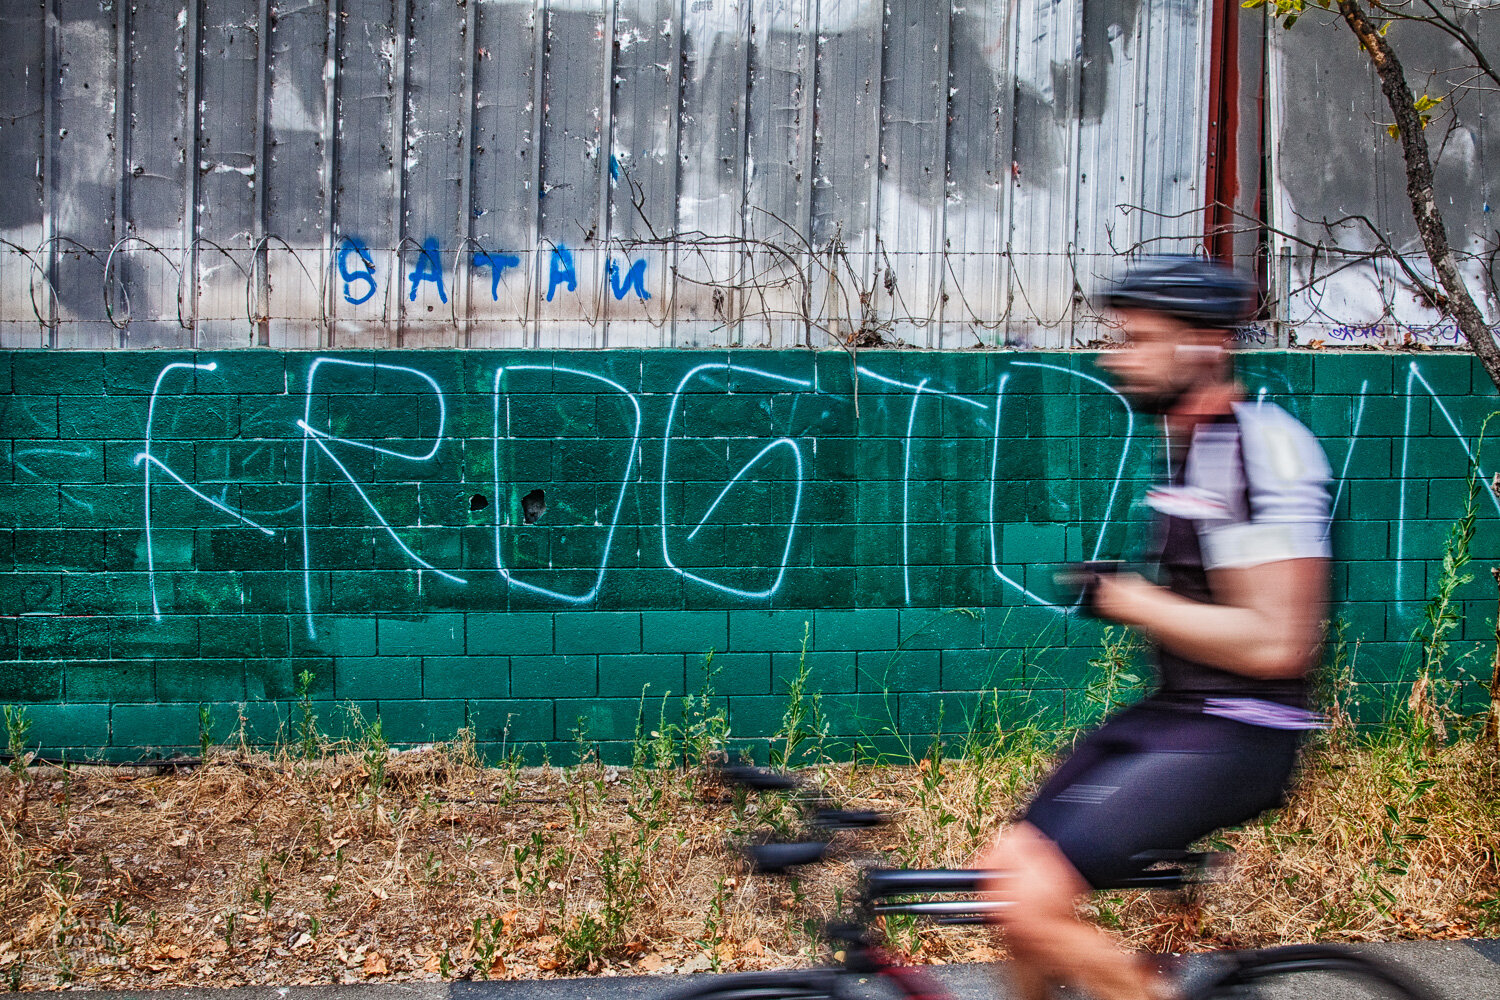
<point x="1160" y="400"/>
<point x="1155" y="403"/>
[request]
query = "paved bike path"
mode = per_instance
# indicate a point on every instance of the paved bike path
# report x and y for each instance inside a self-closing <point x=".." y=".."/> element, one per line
<point x="1456" y="970"/>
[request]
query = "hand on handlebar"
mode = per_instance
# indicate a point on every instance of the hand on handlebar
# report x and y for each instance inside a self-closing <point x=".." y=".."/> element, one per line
<point x="1080" y="584"/>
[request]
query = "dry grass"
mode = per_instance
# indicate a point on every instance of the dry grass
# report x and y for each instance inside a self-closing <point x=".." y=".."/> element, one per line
<point x="421" y="865"/>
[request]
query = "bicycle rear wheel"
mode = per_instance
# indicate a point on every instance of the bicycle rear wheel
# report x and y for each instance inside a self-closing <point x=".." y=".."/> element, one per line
<point x="1311" y="972"/>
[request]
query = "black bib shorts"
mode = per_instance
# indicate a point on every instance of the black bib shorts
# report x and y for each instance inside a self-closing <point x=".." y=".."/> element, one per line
<point x="1157" y="777"/>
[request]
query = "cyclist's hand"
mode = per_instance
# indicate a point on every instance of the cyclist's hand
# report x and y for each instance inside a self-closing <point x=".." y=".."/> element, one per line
<point x="1115" y="597"/>
<point x="1079" y="584"/>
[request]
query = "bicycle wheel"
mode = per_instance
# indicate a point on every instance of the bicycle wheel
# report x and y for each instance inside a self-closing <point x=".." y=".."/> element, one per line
<point x="891" y="983"/>
<point x="812" y="984"/>
<point x="1310" y="972"/>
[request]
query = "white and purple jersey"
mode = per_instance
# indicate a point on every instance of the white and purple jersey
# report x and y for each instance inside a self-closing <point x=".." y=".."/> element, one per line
<point x="1252" y="488"/>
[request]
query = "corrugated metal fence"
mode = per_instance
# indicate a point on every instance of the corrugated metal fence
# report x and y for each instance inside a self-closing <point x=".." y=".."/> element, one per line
<point x="589" y="173"/>
<point x="585" y="173"/>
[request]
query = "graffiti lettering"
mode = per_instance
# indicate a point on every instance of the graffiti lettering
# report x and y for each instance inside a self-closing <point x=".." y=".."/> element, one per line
<point x="720" y="455"/>
<point x="561" y="270"/>
<point x="429" y="268"/>
<point x="349" y="246"/>
<point x="359" y="276"/>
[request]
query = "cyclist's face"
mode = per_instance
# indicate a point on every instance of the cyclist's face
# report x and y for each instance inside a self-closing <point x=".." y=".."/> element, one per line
<point x="1152" y="368"/>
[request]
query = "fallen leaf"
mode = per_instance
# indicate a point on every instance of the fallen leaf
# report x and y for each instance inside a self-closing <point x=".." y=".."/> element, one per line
<point x="375" y="964"/>
<point x="434" y="964"/>
<point x="754" y="947"/>
<point x="650" y="963"/>
<point x="219" y="947"/>
<point x="175" y="952"/>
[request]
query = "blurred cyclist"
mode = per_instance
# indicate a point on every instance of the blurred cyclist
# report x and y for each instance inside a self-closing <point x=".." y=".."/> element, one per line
<point x="1235" y="623"/>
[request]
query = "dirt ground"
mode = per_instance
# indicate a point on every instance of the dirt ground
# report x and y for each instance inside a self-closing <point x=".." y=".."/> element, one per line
<point x="423" y="865"/>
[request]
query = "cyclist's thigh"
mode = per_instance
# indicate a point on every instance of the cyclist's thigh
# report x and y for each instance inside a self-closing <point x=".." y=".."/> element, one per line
<point x="1137" y="800"/>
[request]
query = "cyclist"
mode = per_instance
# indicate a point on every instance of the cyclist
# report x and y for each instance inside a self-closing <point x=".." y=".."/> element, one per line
<point x="1235" y="623"/>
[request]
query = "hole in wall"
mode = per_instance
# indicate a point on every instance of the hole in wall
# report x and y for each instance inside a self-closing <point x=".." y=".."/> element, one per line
<point x="533" y="506"/>
<point x="478" y="501"/>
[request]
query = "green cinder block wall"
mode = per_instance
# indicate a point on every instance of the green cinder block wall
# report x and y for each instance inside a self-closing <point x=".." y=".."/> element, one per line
<point x="530" y="543"/>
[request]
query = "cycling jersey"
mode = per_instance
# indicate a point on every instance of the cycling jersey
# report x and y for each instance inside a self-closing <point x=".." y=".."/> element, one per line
<point x="1250" y="489"/>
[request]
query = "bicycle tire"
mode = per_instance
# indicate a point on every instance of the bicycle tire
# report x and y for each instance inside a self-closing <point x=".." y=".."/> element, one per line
<point x="1322" y="972"/>
<point x="811" y="984"/>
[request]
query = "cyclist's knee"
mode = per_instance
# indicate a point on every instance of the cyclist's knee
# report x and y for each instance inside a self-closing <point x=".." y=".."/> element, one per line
<point x="1038" y="886"/>
<point x="1032" y="867"/>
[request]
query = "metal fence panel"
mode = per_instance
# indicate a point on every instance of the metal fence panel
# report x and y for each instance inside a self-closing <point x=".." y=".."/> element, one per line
<point x="588" y="173"/>
<point x="1342" y="217"/>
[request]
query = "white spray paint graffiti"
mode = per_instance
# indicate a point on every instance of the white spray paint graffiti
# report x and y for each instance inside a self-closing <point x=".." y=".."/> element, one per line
<point x="911" y="421"/>
<point x="666" y="548"/>
<point x="146" y="459"/>
<point x="328" y="442"/>
<point x="635" y="437"/>
<point x="1359" y="417"/>
<point x="995" y="463"/>
<point x="325" y="440"/>
<point x="1414" y="373"/>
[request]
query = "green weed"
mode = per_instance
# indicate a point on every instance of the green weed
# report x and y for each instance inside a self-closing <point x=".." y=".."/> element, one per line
<point x="18" y="738"/>
<point x="804" y="730"/>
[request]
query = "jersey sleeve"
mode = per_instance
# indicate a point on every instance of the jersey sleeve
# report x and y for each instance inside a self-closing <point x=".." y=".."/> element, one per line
<point x="1286" y="486"/>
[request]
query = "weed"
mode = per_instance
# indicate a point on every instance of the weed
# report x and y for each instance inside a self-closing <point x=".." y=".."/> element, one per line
<point x="231" y="919"/>
<point x="586" y="783"/>
<point x="17" y="738"/>
<point x="432" y="868"/>
<point x="529" y="864"/>
<point x="308" y="740"/>
<point x="803" y="729"/>
<point x="600" y="934"/>
<point x="1430" y="705"/>
<point x="205" y="731"/>
<point x="699" y="737"/>
<point x="1114" y="680"/>
<point x="705" y="727"/>
<point x="1332" y="687"/>
<point x="374" y="751"/>
<point x="488" y="934"/>
<point x="714" y="923"/>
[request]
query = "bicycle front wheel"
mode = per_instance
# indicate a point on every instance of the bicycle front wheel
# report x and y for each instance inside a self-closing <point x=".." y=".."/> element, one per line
<point x="1311" y="972"/>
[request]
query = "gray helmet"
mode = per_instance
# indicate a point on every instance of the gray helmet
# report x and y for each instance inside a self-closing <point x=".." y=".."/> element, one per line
<point x="1198" y="291"/>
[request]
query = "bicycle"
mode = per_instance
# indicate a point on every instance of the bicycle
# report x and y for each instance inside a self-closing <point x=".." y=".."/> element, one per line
<point x="864" y="968"/>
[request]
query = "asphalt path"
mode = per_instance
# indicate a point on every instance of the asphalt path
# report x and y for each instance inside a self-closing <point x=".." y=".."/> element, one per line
<point x="1454" y="970"/>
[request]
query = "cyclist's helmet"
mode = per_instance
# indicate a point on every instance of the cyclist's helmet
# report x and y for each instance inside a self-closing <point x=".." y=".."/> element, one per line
<point x="1198" y="291"/>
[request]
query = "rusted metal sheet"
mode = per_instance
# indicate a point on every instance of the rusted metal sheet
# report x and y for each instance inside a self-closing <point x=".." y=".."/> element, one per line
<point x="1339" y="217"/>
<point x="587" y="173"/>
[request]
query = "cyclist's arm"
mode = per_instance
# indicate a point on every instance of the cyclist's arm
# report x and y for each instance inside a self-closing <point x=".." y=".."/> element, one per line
<point x="1269" y="623"/>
